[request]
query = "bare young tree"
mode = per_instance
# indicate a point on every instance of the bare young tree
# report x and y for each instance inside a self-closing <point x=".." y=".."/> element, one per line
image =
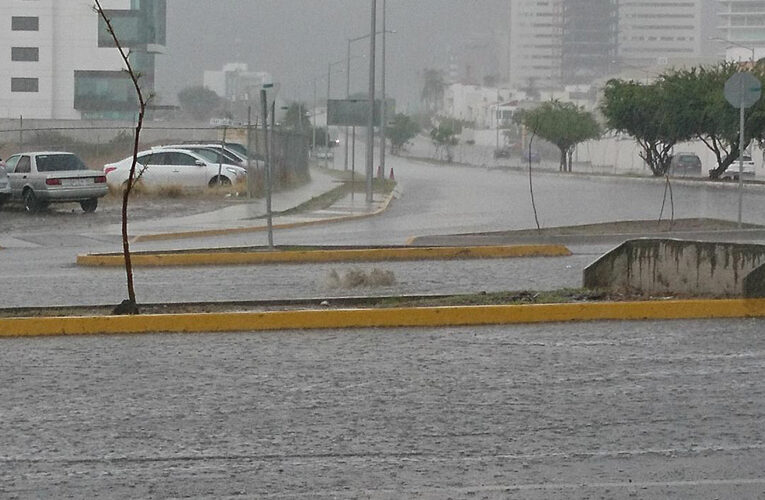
<point x="128" y="306"/>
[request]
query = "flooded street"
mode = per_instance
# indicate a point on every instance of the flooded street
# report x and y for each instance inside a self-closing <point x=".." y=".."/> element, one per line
<point x="612" y="409"/>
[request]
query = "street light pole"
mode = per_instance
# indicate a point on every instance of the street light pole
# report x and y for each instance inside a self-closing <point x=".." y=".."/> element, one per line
<point x="348" y="81"/>
<point x="382" y="104"/>
<point x="371" y="98"/>
<point x="326" y="136"/>
<point x="347" y="95"/>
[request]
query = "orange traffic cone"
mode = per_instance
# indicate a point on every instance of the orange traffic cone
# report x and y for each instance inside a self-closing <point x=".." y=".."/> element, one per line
<point x="392" y="177"/>
<point x="379" y="172"/>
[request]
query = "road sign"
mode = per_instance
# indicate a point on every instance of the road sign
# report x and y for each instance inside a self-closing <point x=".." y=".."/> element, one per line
<point x="355" y="112"/>
<point x="743" y="89"/>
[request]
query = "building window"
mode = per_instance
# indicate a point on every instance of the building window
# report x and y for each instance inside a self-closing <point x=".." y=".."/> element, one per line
<point x="25" y="85"/>
<point x="25" y="54"/>
<point x="19" y="23"/>
<point x="103" y="91"/>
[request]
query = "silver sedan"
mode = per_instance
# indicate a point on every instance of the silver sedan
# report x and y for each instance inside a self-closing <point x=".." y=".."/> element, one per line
<point x="38" y="179"/>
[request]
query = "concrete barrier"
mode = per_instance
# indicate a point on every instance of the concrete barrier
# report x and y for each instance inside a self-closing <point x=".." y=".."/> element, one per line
<point x="667" y="266"/>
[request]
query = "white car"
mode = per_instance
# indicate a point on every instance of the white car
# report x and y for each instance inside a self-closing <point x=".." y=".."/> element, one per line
<point x="5" y="185"/>
<point x="211" y="151"/>
<point x="174" y="167"/>
<point x="731" y="173"/>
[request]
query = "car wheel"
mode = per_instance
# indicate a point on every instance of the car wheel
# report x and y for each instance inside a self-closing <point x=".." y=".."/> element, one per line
<point x="89" y="206"/>
<point x="224" y="181"/>
<point x="31" y="205"/>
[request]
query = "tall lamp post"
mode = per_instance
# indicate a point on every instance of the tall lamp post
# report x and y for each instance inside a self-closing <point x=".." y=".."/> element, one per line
<point x="329" y="87"/>
<point x="348" y="76"/>
<point x="382" y="101"/>
<point x="371" y="99"/>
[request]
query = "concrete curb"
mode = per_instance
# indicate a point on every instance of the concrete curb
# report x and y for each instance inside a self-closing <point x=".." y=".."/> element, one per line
<point x="252" y="229"/>
<point x="382" y="318"/>
<point x="233" y="257"/>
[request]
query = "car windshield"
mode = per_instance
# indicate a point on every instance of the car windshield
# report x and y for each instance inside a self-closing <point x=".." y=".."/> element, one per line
<point x="58" y="163"/>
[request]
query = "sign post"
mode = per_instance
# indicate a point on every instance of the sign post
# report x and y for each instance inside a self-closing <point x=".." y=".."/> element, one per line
<point x="742" y="90"/>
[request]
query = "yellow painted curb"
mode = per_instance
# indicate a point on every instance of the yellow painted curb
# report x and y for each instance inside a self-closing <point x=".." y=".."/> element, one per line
<point x="314" y="256"/>
<point x="382" y="318"/>
<point x="253" y="229"/>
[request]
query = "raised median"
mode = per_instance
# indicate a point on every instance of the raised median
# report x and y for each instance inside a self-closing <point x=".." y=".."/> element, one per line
<point x="295" y="255"/>
<point x="478" y="315"/>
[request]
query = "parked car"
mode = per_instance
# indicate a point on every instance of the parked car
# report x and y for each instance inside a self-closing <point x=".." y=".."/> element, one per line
<point x="5" y="186"/>
<point x="503" y="152"/>
<point x="324" y="154"/>
<point x="174" y="167"/>
<point x="685" y="165"/>
<point x="212" y="152"/>
<point x="732" y="172"/>
<point x="233" y="156"/>
<point x="531" y="156"/>
<point x="38" y="179"/>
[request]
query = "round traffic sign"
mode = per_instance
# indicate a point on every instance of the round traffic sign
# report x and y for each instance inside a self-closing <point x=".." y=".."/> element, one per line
<point x="743" y="89"/>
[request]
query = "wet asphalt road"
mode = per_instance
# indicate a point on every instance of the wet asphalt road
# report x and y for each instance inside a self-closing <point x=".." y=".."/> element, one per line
<point x="594" y="410"/>
<point x="559" y="411"/>
<point x="39" y="268"/>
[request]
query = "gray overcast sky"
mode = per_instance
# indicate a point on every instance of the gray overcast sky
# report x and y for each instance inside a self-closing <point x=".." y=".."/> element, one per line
<point x="295" y="40"/>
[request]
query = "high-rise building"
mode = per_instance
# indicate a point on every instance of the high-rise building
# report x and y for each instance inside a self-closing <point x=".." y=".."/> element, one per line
<point x="559" y="42"/>
<point x="742" y="25"/>
<point x="589" y="39"/>
<point x="658" y="33"/>
<point x="62" y="63"/>
<point x="536" y="31"/>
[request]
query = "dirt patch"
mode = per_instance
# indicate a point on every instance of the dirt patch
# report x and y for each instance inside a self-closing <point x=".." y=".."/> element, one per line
<point x="14" y="218"/>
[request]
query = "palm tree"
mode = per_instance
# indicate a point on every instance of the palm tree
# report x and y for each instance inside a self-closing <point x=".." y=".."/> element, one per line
<point x="433" y="90"/>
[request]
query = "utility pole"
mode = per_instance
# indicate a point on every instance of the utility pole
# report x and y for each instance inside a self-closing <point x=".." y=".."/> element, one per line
<point x="347" y="96"/>
<point x="313" y="117"/>
<point x="264" y="106"/>
<point x="326" y="136"/>
<point x="383" y="118"/>
<point x="371" y="97"/>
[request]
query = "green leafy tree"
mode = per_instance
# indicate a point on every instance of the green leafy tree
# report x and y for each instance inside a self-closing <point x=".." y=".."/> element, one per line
<point x="199" y="102"/>
<point x="648" y="113"/>
<point x="444" y="137"/>
<point x="563" y="124"/>
<point x="702" y="107"/>
<point x="401" y="130"/>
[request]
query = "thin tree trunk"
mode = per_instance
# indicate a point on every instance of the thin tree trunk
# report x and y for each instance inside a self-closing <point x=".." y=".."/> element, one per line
<point x="128" y="306"/>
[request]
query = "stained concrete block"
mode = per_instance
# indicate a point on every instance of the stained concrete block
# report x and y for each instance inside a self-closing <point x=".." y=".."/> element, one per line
<point x="668" y="266"/>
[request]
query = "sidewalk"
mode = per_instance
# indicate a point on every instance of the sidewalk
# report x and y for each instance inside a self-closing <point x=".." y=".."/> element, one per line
<point x="250" y="216"/>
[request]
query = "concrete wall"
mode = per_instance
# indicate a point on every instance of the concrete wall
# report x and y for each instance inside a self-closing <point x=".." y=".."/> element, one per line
<point x="656" y="266"/>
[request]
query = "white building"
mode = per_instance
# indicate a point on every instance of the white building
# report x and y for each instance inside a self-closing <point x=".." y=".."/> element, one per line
<point x="235" y="81"/>
<point x="62" y="64"/>
<point x="659" y="33"/>
<point x="483" y="106"/>
<point x="742" y="27"/>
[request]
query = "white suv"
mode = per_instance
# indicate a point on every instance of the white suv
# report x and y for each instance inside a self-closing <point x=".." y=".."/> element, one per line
<point x="174" y="167"/>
